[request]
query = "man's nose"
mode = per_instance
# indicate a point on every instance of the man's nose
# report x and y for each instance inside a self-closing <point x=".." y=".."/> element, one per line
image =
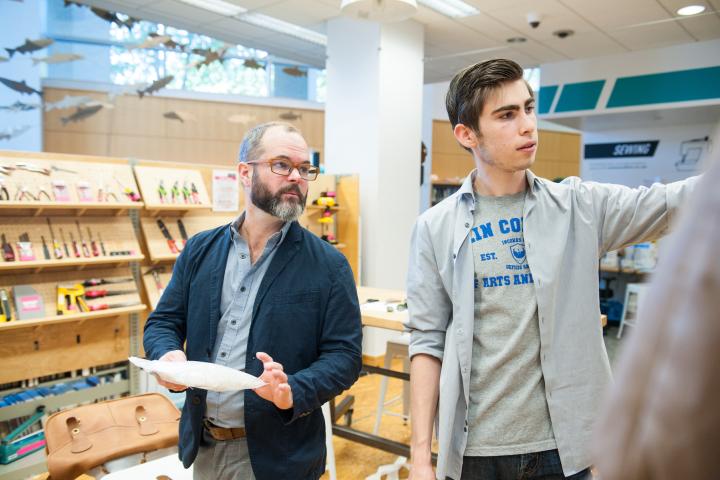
<point x="294" y="175"/>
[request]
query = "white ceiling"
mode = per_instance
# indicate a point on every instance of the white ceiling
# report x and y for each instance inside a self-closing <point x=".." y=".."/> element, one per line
<point x="602" y="27"/>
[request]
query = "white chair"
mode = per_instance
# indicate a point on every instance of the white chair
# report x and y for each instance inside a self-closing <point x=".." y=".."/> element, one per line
<point x="397" y="347"/>
<point x="329" y="442"/>
<point x="390" y="472"/>
<point x="633" y="297"/>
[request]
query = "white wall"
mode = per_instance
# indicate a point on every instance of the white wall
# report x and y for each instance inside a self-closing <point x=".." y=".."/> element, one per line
<point x="18" y="21"/>
<point x="663" y="167"/>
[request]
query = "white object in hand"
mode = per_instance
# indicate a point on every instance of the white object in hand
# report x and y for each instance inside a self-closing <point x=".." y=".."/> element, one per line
<point x="207" y="376"/>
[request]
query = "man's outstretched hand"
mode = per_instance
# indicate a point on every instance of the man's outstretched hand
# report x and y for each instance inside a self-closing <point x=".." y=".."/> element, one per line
<point x="172" y="356"/>
<point x="277" y="389"/>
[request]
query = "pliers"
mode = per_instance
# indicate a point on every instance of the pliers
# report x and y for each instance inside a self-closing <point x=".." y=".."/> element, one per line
<point x="186" y="192"/>
<point x="175" y="191"/>
<point x="195" y="193"/>
<point x="4" y="194"/>
<point x="23" y="193"/>
<point x="162" y="192"/>
<point x="42" y="192"/>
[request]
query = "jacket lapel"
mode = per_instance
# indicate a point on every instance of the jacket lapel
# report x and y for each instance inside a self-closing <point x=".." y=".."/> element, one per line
<point x="287" y="250"/>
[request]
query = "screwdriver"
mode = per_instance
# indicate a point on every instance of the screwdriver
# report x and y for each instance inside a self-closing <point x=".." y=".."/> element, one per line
<point x="76" y="250"/>
<point x="62" y="237"/>
<point x="93" y="244"/>
<point x="85" y="249"/>
<point x="46" y="251"/>
<point x="56" y="245"/>
<point x="102" y="245"/>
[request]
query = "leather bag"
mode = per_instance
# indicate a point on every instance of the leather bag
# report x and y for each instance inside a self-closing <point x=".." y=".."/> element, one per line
<point x="84" y="437"/>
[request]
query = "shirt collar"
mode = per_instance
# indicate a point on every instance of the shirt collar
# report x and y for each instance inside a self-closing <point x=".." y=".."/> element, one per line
<point x="467" y="192"/>
<point x="277" y="237"/>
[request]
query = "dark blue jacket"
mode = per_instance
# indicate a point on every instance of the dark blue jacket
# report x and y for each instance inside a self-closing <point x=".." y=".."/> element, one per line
<point x="306" y="316"/>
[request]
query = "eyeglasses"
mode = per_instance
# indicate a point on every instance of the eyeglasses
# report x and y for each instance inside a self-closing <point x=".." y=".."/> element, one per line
<point x="280" y="166"/>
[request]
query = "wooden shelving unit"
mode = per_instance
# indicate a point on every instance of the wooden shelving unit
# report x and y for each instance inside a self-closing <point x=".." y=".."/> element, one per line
<point x="77" y="264"/>
<point x="108" y="313"/>
<point x="35" y="209"/>
<point x="88" y="204"/>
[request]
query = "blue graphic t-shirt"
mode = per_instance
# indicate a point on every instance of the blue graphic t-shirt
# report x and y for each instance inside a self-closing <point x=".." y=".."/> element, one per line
<point x="508" y="413"/>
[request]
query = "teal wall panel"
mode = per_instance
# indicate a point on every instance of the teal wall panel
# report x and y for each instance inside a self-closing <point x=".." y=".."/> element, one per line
<point x="679" y="86"/>
<point x="546" y="97"/>
<point x="579" y="96"/>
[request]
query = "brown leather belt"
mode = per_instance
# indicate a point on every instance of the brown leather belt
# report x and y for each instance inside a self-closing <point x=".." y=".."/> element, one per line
<point x="223" y="434"/>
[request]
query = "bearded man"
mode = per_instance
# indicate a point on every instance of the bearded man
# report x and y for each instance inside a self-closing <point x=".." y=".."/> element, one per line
<point x="266" y="296"/>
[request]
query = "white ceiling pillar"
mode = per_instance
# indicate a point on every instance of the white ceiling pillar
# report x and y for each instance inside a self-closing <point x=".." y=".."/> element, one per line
<point x="373" y="120"/>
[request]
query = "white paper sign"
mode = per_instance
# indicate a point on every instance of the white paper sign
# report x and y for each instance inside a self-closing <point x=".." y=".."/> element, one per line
<point x="226" y="191"/>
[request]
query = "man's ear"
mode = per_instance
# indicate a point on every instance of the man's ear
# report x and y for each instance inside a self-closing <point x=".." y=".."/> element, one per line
<point x="466" y="136"/>
<point x="245" y="174"/>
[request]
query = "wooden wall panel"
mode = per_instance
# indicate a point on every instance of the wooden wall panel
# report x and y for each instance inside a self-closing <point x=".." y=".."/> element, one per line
<point x="137" y="128"/>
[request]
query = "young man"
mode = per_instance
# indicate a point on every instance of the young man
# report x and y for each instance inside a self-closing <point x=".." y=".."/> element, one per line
<point x="265" y="296"/>
<point x="506" y="342"/>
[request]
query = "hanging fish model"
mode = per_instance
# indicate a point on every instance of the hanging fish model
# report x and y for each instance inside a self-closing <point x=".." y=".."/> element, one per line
<point x="111" y="17"/>
<point x="81" y="114"/>
<point x="290" y="116"/>
<point x="58" y="58"/>
<point x="151" y="42"/>
<point x="20" y="107"/>
<point x="156" y="85"/>
<point x="254" y="64"/>
<point x="13" y="132"/>
<point x="68" y="102"/>
<point x="182" y="117"/>
<point x="21" y="87"/>
<point x="170" y="44"/>
<point x="295" y="72"/>
<point x="30" y="46"/>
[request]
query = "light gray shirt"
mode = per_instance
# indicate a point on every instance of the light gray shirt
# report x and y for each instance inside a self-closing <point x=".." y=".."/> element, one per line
<point x="567" y="228"/>
<point x="240" y="287"/>
<point x="508" y="413"/>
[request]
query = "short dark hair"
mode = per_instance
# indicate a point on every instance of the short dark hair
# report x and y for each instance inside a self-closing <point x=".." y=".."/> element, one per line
<point x="251" y="146"/>
<point x="471" y="87"/>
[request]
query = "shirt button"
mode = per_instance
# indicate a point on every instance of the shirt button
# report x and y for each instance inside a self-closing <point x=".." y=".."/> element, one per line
<point x="467" y="225"/>
<point x="464" y="369"/>
<point x="243" y="256"/>
<point x="460" y="331"/>
<point x="233" y="322"/>
<point x="242" y="289"/>
<point x="454" y="256"/>
<point x="223" y="354"/>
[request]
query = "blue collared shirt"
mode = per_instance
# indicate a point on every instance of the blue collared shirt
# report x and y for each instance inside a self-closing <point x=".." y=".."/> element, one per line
<point x="240" y="287"/>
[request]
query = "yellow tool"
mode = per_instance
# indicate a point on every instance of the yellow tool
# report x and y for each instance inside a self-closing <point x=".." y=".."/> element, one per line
<point x="71" y="299"/>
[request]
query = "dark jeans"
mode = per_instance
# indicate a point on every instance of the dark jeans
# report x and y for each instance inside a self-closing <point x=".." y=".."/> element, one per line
<point x="528" y="466"/>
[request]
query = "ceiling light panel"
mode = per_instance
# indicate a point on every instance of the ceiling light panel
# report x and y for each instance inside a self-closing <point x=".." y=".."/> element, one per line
<point x="451" y="8"/>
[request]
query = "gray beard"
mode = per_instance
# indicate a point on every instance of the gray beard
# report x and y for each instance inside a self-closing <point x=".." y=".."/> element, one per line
<point x="287" y="211"/>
